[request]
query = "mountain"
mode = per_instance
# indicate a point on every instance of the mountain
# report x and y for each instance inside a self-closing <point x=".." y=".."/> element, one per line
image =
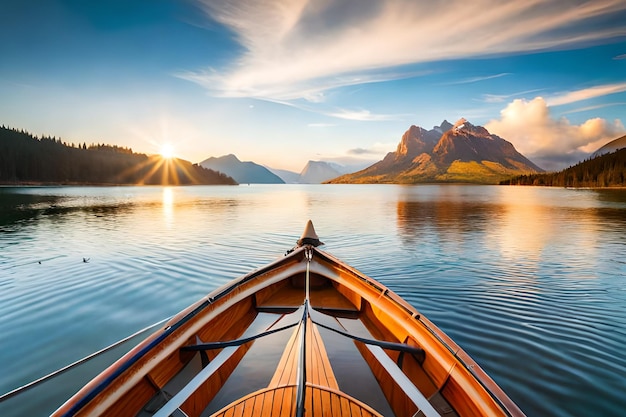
<point x="316" y="172"/>
<point x="612" y="146"/>
<point x="289" y="177"/>
<point x="242" y="172"/>
<point x="447" y="153"/>
<point x="608" y="170"/>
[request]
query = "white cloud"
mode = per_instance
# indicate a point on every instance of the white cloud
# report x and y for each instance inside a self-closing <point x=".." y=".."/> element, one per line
<point x="549" y="142"/>
<point x="297" y="48"/>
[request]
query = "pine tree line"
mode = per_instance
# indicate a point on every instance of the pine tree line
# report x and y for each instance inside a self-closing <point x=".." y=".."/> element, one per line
<point x="26" y="159"/>
<point x="607" y="170"/>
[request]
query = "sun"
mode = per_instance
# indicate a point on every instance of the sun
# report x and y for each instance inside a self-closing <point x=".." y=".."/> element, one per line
<point x="167" y="151"/>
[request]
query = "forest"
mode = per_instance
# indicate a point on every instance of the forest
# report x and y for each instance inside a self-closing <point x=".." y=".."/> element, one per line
<point x="27" y="159"/>
<point x="608" y="170"/>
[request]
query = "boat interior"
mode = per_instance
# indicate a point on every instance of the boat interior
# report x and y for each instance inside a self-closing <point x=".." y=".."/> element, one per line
<point x="344" y="375"/>
<point x="306" y="335"/>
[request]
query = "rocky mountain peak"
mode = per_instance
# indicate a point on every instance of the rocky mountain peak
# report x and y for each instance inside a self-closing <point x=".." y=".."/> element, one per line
<point x="444" y="127"/>
<point x="463" y="126"/>
<point x="460" y="124"/>
<point x="412" y="140"/>
<point x="417" y="140"/>
<point x="459" y="152"/>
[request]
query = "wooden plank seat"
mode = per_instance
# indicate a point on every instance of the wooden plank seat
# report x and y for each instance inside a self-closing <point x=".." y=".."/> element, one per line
<point x="322" y="298"/>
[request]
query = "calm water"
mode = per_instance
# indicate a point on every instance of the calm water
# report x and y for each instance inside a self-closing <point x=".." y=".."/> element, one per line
<point x="529" y="281"/>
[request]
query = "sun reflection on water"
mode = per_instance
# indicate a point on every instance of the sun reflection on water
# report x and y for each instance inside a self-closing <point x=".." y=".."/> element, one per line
<point x="168" y="206"/>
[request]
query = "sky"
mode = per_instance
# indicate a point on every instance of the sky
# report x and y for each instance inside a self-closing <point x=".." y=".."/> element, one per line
<point x="282" y="82"/>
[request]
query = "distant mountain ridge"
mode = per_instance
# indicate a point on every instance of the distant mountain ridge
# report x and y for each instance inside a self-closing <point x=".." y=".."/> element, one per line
<point x="447" y="153"/>
<point x="612" y="146"/>
<point x="242" y="172"/>
<point x="289" y="177"/>
<point x="316" y="172"/>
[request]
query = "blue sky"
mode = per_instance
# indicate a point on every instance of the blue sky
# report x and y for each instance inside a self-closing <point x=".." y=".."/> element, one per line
<point x="283" y="82"/>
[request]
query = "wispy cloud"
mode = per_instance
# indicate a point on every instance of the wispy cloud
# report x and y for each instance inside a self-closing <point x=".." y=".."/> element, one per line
<point x="362" y="151"/>
<point x="477" y="79"/>
<point x="586" y="93"/>
<point x="501" y="98"/>
<point x="495" y="98"/>
<point x="599" y="106"/>
<point x="321" y="125"/>
<point x="231" y="84"/>
<point x="618" y="57"/>
<point x="378" y="149"/>
<point x="365" y="115"/>
<point x="295" y="49"/>
<point x="362" y="115"/>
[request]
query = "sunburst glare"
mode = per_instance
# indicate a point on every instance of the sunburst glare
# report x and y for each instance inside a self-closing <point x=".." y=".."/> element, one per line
<point x="167" y="151"/>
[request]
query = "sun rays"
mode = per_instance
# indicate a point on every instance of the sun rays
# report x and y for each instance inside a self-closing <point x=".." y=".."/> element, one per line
<point x="163" y="167"/>
<point x="162" y="170"/>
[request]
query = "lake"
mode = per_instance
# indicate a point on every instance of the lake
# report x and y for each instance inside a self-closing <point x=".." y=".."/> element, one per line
<point x="531" y="282"/>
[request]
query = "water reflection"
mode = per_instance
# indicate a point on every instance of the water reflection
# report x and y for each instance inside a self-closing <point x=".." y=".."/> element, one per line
<point x="32" y="207"/>
<point x="450" y="219"/>
<point x="616" y="196"/>
<point x="16" y="207"/>
<point x="512" y="222"/>
<point x="168" y="206"/>
<point x="524" y="227"/>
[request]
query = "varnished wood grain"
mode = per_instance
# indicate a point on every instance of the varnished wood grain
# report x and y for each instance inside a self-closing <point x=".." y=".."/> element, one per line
<point x="319" y="369"/>
<point x="278" y="402"/>
<point x="325" y="297"/>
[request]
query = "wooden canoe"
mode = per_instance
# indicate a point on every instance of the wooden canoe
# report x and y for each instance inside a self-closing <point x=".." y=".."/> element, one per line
<point x="306" y="335"/>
